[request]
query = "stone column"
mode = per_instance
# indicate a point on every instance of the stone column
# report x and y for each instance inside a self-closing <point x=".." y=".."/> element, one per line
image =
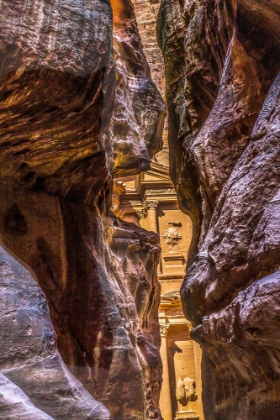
<point x="152" y="215"/>
<point x="165" y="403"/>
<point x="151" y="207"/>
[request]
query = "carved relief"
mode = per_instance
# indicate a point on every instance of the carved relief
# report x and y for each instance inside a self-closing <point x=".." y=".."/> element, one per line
<point x="178" y="224"/>
<point x="172" y="234"/>
<point x="151" y="204"/>
<point x="185" y="390"/>
<point x="157" y="175"/>
<point x="136" y="203"/>
<point x="160" y="191"/>
<point x="142" y="213"/>
<point x="140" y="209"/>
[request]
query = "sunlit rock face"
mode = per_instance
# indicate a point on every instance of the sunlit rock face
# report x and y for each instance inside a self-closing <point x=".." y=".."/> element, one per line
<point x="146" y="12"/>
<point x="61" y="83"/>
<point x="223" y="89"/>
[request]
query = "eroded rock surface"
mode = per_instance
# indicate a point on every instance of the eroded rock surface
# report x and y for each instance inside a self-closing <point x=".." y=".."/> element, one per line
<point x="99" y="275"/>
<point x="103" y="294"/>
<point x="70" y="104"/>
<point x="146" y="15"/>
<point x="56" y="74"/>
<point x="57" y="95"/>
<point x="222" y="63"/>
<point x="139" y="111"/>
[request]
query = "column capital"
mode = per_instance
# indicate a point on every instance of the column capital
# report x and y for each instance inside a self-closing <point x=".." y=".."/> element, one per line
<point x="151" y="204"/>
<point x="140" y="209"/>
<point x="142" y="213"/>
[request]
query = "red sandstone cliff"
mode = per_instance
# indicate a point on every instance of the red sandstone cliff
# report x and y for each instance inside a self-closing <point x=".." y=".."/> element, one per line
<point x="223" y="88"/>
<point x="72" y="109"/>
<point x="139" y="111"/>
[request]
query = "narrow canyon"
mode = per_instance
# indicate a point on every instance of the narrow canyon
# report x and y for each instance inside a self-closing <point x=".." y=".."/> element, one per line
<point x="139" y="209"/>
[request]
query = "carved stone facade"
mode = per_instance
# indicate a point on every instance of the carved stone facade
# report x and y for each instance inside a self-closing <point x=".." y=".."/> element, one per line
<point x="150" y="201"/>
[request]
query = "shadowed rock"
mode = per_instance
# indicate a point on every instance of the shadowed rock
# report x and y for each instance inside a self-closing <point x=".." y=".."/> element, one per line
<point x="222" y="63"/>
<point x="34" y="380"/>
<point x="60" y="83"/>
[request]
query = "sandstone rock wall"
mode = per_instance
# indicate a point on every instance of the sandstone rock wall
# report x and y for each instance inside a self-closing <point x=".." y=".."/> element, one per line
<point x="222" y="63"/>
<point x="146" y="12"/>
<point x="34" y="379"/>
<point x="71" y="104"/>
<point x="99" y="275"/>
<point x="139" y="109"/>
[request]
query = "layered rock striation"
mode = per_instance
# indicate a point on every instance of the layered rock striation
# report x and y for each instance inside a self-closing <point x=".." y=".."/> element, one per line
<point x="222" y="63"/>
<point x="74" y="110"/>
<point x="99" y="275"/>
<point x="146" y="12"/>
<point x="139" y="110"/>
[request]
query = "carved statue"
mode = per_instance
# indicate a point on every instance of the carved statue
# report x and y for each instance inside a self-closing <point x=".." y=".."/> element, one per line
<point x="185" y="390"/>
<point x="172" y="235"/>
